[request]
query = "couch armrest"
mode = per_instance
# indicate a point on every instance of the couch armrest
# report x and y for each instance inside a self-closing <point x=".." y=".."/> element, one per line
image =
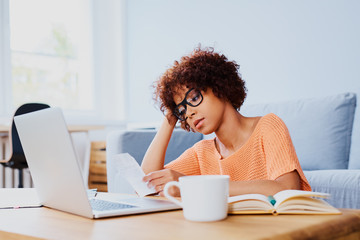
<point x="136" y="143"/>
<point x="343" y="185"/>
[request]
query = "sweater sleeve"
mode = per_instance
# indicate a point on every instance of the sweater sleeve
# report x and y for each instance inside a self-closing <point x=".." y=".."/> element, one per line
<point x="280" y="152"/>
<point x="187" y="163"/>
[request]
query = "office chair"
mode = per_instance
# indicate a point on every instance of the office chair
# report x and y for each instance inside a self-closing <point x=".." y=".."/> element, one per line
<point x="16" y="158"/>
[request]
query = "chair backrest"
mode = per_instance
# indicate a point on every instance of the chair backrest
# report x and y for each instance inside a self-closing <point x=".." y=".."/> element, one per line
<point x="17" y="159"/>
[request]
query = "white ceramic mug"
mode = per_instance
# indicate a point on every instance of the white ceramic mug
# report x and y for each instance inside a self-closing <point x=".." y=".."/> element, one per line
<point x="203" y="198"/>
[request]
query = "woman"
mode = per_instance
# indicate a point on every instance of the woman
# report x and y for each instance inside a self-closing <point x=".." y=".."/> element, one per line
<point x="204" y="91"/>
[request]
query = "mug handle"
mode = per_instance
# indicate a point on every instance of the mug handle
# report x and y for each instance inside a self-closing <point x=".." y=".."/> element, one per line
<point x="168" y="196"/>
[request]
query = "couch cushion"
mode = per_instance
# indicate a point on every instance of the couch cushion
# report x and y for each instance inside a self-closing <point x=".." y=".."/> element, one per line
<point x="319" y="127"/>
<point x="343" y="186"/>
<point x="136" y="143"/>
<point x="354" y="161"/>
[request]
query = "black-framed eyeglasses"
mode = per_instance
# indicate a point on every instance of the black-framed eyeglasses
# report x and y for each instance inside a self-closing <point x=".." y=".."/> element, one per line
<point x="193" y="98"/>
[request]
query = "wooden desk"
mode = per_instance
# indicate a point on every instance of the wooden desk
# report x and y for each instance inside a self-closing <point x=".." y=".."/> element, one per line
<point x="36" y="223"/>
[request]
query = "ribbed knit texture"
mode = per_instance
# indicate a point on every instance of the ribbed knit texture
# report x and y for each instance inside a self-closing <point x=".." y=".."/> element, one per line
<point x="267" y="154"/>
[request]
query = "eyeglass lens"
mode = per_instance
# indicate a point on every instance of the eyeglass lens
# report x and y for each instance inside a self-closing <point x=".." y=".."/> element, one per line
<point x="192" y="98"/>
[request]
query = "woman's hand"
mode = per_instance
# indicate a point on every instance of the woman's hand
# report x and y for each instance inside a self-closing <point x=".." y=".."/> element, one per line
<point x="158" y="179"/>
<point x="172" y="119"/>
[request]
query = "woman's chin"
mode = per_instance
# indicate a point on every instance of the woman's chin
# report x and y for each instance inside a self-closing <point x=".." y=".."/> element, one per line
<point x="205" y="131"/>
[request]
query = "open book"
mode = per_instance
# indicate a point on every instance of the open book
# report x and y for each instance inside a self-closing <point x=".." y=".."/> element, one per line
<point x="284" y="202"/>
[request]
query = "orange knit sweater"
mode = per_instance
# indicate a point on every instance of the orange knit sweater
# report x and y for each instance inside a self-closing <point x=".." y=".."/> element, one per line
<point x="267" y="154"/>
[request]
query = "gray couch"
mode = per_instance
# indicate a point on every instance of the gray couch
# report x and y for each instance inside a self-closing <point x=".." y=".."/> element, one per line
<point x="325" y="135"/>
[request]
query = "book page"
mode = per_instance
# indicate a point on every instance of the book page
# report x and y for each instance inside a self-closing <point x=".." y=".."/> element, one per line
<point x="287" y="194"/>
<point x="247" y="197"/>
<point x="250" y="204"/>
<point x="128" y="168"/>
<point x="306" y="205"/>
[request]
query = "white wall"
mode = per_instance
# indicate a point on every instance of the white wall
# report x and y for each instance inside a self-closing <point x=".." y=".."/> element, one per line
<point x="109" y="19"/>
<point x="5" y="67"/>
<point x="286" y="49"/>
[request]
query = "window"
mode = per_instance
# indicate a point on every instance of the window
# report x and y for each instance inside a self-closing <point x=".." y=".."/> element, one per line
<point x="67" y="53"/>
<point x="51" y="53"/>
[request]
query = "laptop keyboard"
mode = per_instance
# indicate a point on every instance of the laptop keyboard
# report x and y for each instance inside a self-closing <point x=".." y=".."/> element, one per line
<point x="101" y="205"/>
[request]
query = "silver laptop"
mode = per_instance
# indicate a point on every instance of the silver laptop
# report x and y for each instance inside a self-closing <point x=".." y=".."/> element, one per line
<point x="57" y="175"/>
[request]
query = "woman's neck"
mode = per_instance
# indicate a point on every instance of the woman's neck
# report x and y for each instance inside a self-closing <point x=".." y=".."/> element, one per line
<point x="233" y="132"/>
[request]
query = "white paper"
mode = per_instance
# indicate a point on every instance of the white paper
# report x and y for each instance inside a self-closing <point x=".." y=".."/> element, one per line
<point x="18" y="198"/>
<point x="129" y="169"/>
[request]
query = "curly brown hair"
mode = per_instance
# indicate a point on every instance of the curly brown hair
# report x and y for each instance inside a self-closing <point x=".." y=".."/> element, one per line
<point x="201" y="69"/>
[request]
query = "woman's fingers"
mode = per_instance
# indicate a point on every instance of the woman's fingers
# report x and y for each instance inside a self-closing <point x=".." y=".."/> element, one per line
<point x="158" y="179"/>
